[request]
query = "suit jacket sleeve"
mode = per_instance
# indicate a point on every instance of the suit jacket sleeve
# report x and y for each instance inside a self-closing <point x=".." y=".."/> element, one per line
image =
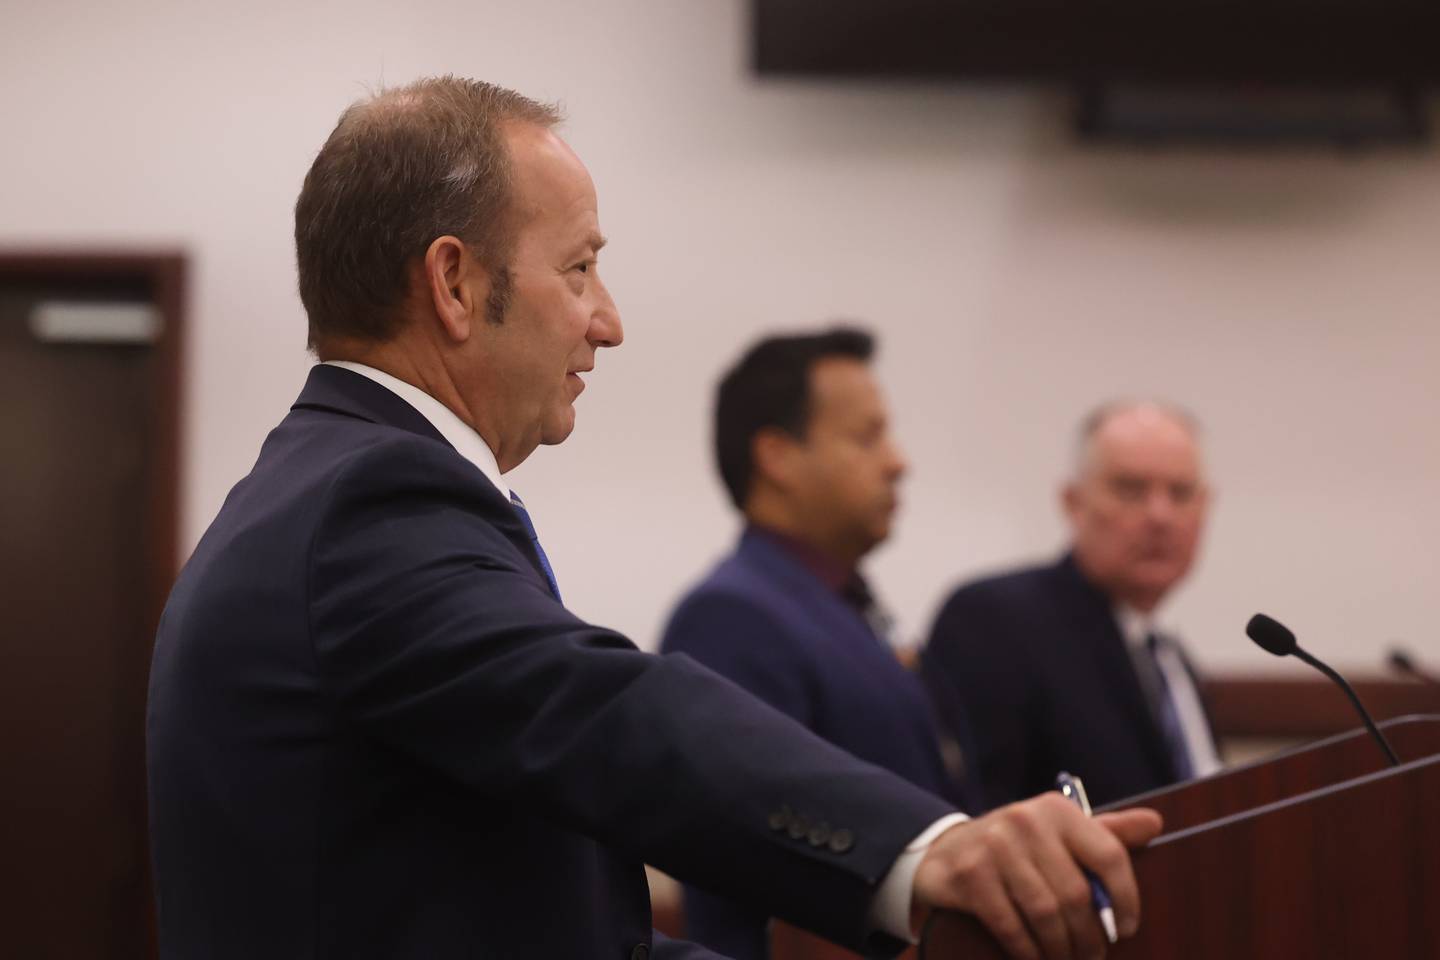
<point x="437" y="637"/>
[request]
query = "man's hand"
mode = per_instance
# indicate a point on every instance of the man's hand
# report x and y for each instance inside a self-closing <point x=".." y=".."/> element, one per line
<point x="1018" y="870"/>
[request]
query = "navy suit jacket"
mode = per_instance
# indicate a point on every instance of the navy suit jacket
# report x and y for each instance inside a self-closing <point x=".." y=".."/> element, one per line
<point x="373" y="732"/>
<point x="764" y="620"/>
<point x="1037" y="658"/>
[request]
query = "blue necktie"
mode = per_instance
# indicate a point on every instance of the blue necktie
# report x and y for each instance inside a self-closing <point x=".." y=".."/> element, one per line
<point x="1168" y="715"/>
<point x="535" y="542"/>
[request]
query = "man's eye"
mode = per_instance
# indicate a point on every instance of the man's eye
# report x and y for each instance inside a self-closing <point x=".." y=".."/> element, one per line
<point x="1127" y="489"/>
<point x="583" y="267"/>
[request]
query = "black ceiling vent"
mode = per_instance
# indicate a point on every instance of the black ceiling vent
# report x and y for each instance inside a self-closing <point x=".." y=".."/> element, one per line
<point x="1149" y="113"/>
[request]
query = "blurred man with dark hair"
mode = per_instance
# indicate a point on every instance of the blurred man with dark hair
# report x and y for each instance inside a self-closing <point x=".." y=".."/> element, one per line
<point x="803" y="444"/>
<point x="1065" y="667"/>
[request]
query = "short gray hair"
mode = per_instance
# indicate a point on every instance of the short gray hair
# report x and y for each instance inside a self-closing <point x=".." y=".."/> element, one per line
<point x="1099" y="416"/>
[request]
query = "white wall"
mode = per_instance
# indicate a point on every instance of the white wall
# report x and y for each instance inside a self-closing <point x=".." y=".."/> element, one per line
<point x="1014" y="277"/>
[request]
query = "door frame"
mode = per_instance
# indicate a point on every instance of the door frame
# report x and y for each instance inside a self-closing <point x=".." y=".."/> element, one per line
<point x="163" y="273"/>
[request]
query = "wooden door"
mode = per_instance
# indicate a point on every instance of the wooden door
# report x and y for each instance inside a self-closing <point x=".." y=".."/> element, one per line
<point x="87" y="532"/>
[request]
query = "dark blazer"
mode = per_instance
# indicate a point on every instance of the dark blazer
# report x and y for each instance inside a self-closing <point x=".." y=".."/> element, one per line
<point x="764" y="620"/>
<point x="373" y="732"/>
<point x="1038" y="660"/>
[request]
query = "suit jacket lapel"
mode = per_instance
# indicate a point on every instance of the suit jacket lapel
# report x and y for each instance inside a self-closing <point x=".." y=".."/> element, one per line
<point x="856" y="640"/>
<point x="1093" y="618"/>
<point x="840" y="620"/>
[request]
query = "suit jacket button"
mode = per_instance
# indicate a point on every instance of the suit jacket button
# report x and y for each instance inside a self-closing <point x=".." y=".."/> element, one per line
<point x="819" y="834"/>
<point x="641" y="952"/>
<point x="841" y="841"/>
<point x="799" y="826"/>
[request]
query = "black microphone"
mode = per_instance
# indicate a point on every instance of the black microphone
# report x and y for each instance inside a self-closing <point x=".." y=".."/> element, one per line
<point x="1401" y="662"/>
<point x="1275" y="637"/>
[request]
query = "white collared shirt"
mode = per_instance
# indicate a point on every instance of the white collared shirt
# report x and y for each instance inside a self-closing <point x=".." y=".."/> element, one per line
<point x="1136" y="628"/>
<point x="457" y="432"/>
<point x="890" y="908"/>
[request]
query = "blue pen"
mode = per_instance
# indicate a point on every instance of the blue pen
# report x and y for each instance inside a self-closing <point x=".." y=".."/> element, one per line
<point x="1074" y="791"/>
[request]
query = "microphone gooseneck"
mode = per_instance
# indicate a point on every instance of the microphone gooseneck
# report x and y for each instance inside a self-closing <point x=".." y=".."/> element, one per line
<point x="1274" y="637"/>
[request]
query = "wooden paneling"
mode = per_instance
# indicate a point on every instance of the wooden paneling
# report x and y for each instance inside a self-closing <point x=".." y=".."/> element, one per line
<point x="1304" y="708"/>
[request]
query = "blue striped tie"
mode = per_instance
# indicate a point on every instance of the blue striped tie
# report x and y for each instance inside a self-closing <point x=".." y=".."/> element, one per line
<point x="535" y="542"/>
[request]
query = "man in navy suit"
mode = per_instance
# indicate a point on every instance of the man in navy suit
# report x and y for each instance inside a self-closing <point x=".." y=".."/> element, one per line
<point x="373" y="728"/>
<point x="804" y="448"/>
<point x="1065" y="666"/>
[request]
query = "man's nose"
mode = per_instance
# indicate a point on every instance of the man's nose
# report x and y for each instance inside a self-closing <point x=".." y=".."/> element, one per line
<point x="898" y="465"/>
<point x="1159" y="507"/>
<point x="606" y="329"/>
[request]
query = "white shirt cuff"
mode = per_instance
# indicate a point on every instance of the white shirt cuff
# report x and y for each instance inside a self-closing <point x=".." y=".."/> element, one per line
<point x="890" y="908"/>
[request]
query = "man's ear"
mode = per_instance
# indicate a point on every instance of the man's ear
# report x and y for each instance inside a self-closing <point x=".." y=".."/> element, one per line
<point x="1070" y="500"/>
<point x="1206" y="493"/>
<point x="773" y="457"/>
<point x="457" y="284"/>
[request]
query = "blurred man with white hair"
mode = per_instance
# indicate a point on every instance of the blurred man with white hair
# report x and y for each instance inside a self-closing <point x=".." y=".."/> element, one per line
<point x="1065" y="666"/>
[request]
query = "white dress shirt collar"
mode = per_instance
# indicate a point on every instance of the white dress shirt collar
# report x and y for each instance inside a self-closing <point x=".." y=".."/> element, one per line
<point x="1135" y="626"/>
<point x="457" y="432"/>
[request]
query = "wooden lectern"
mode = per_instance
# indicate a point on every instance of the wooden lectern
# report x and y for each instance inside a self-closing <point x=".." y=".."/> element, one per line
<point x="1322" y="852"/>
